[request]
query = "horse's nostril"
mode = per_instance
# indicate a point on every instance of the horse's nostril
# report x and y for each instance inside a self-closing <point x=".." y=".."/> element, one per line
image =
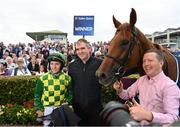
<point x="102" y="76"/>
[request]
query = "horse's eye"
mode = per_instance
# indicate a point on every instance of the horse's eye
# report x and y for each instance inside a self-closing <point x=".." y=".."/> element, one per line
<point x="117" y="31"/>
<point x="124" y="43"/>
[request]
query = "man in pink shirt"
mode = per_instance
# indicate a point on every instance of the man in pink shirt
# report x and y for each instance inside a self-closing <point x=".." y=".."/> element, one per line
<point x="159" y="96"/>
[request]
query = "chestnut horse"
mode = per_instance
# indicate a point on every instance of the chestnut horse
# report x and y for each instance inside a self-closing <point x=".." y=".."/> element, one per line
<point x="126" y="51"/>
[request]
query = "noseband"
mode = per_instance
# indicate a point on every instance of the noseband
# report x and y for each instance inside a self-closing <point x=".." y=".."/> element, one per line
<point x="123" y="61"/>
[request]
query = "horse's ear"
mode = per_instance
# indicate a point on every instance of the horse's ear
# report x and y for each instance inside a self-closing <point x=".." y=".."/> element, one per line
<point x="133" y="18"/>
<point x="116" y="22"/>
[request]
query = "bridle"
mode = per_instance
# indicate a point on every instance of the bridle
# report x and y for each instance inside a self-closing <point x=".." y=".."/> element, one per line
<point x="123" y="61"/>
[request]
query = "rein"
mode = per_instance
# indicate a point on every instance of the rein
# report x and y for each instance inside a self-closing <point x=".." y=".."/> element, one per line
<point x="123" y="61"/>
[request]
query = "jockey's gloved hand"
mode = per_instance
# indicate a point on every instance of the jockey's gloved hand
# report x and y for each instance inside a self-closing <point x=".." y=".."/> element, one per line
<point x="39" y="113"/>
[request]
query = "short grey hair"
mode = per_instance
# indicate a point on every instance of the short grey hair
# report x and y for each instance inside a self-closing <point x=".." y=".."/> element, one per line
<point x="82" y="40"/>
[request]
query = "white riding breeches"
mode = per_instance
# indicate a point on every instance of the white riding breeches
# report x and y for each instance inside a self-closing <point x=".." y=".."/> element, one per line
<point x="48" y="110"/>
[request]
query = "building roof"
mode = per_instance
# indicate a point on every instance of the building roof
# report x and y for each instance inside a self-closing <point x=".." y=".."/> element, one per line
<point x="39" y="36"/>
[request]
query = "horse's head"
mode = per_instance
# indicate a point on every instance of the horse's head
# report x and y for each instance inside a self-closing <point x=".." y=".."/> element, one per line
<point x="122" y="53"/>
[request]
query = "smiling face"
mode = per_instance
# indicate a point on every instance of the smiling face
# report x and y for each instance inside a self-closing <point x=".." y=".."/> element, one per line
<point x="83" y="51"/>
<point x="151" y="64"/>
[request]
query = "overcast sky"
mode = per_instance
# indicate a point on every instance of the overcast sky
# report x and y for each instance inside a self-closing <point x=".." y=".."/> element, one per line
<point x="20" y="16"/>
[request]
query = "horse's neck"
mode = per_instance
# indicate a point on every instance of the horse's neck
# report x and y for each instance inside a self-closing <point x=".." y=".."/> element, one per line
<point x="145" y="43"/>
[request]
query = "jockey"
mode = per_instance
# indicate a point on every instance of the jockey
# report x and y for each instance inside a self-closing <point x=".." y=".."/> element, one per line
<point x="52" y="88"/>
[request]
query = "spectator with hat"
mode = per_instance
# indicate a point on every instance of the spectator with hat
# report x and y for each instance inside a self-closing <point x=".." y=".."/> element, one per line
<point x="4" y="71"/>
<point x="10" y="64"/>
<point x="20" y="70"/>
<point x="98" y="54"/>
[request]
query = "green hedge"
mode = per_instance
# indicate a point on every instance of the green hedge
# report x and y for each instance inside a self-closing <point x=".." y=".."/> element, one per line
<point x="17" y="115"/>
<point x="16" y="96"/>
<point x="17" y="89"/>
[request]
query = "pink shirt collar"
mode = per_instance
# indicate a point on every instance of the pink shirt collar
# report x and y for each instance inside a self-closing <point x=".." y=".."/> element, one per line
<point x="157" y="77"/>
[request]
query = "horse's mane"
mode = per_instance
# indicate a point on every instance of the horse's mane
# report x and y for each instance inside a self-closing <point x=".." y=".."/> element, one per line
<point x="149" y="44"/>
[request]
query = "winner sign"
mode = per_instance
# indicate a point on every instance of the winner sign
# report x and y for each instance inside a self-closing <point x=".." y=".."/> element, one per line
<point x="84" y="25"/>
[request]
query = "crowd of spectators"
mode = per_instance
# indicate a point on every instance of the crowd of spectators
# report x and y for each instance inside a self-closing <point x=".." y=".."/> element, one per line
<point x="30" y="59"/>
